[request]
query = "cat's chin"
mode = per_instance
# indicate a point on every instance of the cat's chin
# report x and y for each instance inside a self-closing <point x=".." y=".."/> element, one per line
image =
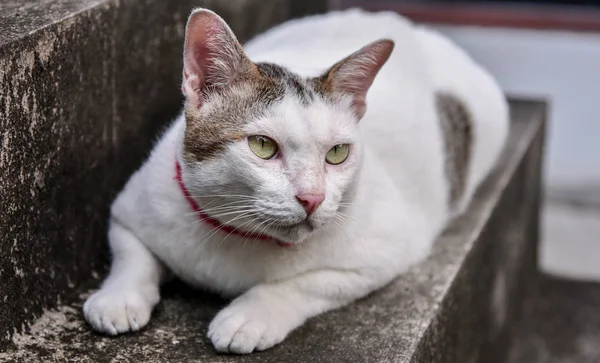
<point x="294" y="234"/>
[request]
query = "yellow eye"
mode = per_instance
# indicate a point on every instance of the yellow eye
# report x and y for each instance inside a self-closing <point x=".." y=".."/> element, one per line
<point x="338" y="154"/>
<point x="262" y="146"/>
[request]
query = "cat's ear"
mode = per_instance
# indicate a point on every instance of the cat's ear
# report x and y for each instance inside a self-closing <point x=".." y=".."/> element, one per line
<point x="212" y="58"/>
<point x="353" y="75"/>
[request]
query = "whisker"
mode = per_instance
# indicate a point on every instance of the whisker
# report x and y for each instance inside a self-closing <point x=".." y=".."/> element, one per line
<point x="238" y="196"/>
<point x="226" y="205"/>
<point x="360" y="237"/>
<point x="266" y="228"/>
<point x="236" y="214"/>
<point x="216" y="229"/>
<point x="226" y="209"/>
<point x="237" y="228"/>
<point x="233" y="230"/>
<point x="218" y="215"/>
<point x="266" y="220"/>
<point x="251" y="231"/>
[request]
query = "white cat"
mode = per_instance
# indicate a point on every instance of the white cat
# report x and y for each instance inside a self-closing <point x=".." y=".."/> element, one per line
<point x="286" y="183"/>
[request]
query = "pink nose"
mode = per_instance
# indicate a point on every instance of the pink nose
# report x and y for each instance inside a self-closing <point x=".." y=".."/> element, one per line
<point x="310" y="202"/>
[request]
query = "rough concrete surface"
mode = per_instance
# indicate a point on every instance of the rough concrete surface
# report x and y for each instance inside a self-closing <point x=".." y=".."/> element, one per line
<point x="85" y="87"/>
<point x="19" y="18"/>
<point x="459" y="306"/>
<point x="561" y="323"/>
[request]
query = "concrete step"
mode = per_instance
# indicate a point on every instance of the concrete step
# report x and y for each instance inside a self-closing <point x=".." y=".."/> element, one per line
<point x="561" y="323"/>
<point x="463" y="304"/>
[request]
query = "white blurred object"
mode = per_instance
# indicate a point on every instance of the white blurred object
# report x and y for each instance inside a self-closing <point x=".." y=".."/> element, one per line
<point x="571" y="241"/>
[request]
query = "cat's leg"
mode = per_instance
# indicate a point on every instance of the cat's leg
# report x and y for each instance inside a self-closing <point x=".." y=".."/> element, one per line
<point x="127" y="297"/>
<point x="263" y="316"/>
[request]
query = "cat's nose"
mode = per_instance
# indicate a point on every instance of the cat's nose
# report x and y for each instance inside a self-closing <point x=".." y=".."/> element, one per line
<point x="310" y="202"/>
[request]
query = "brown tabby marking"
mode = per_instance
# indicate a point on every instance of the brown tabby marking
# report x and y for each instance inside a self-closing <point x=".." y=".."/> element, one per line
<point x="211" y="128"/>
<point x="457" y="123"/>
<point x="225" y="112"/>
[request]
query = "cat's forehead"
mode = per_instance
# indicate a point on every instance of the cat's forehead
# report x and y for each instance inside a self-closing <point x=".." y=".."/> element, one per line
<point x="303" y="113"/>
<point x="287" y="82"/>
<point x="297" y="123"/>
<point x="275" y="102"/>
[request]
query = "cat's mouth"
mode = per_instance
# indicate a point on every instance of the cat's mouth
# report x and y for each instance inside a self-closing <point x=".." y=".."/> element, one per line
<point x="296" y="232"/>
<point x="304" y="224"/>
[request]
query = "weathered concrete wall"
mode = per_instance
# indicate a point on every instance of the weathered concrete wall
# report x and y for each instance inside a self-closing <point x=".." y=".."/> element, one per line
<point x="301" y="8"/>
<point x="85" y="86"/>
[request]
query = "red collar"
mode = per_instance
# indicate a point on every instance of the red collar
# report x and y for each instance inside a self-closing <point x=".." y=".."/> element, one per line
<point x="213" y="222"/>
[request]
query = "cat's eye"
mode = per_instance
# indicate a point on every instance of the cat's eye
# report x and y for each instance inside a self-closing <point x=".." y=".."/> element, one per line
<point x="338" y="154"/>
<point x="262" y="146"/>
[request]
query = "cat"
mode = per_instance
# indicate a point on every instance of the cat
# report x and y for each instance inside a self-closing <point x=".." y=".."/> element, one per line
<point x="307" y="170"/>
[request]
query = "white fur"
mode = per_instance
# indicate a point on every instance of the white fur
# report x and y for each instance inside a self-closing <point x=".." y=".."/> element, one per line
<point x="399" y="197"/>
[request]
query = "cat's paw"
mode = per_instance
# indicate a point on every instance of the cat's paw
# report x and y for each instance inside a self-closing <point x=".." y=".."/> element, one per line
<point x="118" y="310"/>
<point x="246" y="326"/>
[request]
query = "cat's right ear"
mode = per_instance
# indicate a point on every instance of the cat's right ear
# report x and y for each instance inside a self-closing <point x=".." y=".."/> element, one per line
<point x="212" y="58"/>
<point x="353" y="75"/>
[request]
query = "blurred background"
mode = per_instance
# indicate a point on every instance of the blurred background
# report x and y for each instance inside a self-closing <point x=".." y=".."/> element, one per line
<point x="540" y="49"/>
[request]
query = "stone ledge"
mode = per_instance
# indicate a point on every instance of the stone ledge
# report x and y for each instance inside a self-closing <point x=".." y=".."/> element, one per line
<point x="19" y="18"/>
<point x="85" y="87"/>
<point x="462" y="305"/>
<point x="561" y="323"/>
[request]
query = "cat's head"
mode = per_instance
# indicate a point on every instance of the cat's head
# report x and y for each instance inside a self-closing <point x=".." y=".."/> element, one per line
<point x="266" y="150"/>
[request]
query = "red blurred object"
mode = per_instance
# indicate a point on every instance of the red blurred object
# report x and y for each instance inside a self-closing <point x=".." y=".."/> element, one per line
<point x="490" y="14"/>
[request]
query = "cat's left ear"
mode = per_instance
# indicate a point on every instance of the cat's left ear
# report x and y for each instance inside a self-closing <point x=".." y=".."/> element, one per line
<point x="213" y="58"/>
<point x="353" y="75"/>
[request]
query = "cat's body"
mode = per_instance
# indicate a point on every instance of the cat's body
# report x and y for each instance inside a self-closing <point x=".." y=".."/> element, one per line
<point x="434" y="126"/>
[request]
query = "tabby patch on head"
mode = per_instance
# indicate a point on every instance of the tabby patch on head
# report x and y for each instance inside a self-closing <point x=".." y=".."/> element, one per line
<point x="225" y="112"/>
<point x="457" y="123"/>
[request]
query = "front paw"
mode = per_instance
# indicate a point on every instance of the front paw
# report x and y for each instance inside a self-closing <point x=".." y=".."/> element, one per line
<point x="247" y="325"/>
<point x="118" y="310"/>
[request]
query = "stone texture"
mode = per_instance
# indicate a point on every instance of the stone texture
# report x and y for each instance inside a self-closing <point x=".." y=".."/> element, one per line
<point x="461" y="305"/>
<point x="301" y="8"/>
<point x="561" y="325"/>
<point x="85" y="86"/>
<point x="19" y="18"/>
